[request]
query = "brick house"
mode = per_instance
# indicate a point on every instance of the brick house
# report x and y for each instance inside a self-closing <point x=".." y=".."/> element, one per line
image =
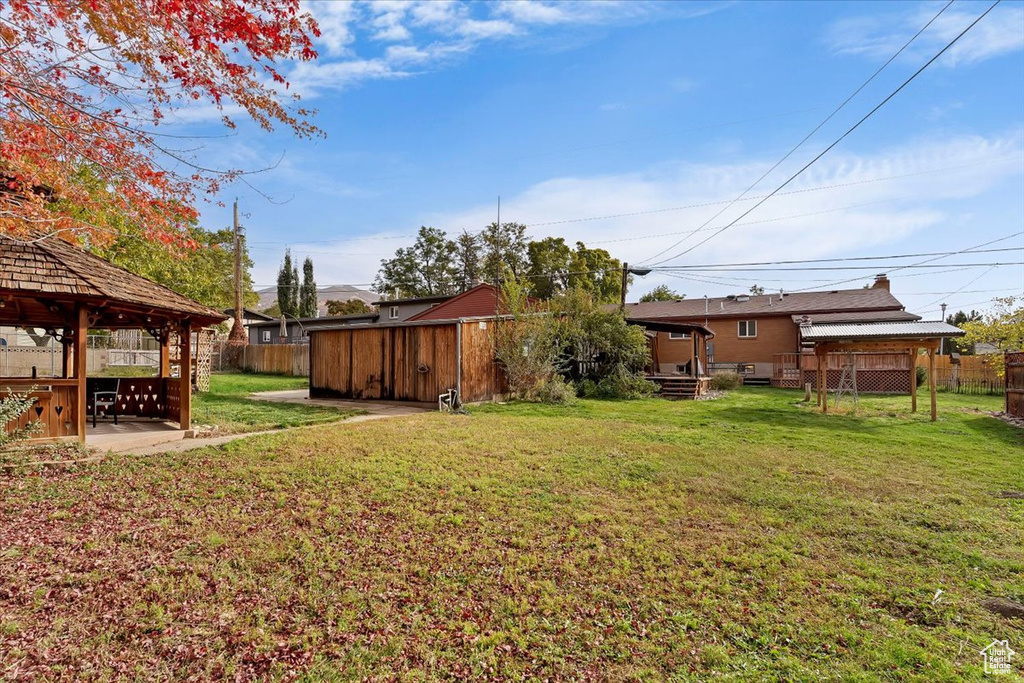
<point x="753" y="331"/>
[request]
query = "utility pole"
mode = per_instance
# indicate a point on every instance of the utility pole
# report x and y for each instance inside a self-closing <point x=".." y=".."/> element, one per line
<point x="238" y="335"/>
<point x="626" y="272"/>
<point x="625" y="281"/>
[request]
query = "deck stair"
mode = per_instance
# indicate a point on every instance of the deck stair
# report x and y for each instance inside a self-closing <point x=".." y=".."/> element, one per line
<point x="680" y="386"/>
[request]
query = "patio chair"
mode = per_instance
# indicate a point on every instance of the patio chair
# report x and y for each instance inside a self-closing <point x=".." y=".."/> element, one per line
<point x="106" y="400"/>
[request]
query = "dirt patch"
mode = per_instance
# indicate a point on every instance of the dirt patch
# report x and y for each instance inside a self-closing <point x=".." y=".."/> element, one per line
<point x="1012" y="495"/>
<point x="1009" y="419"/>
<point x="1004" y="607"/>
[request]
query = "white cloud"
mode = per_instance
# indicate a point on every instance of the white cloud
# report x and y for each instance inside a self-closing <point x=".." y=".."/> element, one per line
<point x="429" y="33"/>
<point x="335" y="20"/>
<point x="859" y="213"/>
<point x="879" y="36"/>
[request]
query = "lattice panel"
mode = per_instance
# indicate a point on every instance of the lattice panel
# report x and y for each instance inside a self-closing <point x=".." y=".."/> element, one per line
<point x="202" y="355"/>
<point x="868" y="381"/>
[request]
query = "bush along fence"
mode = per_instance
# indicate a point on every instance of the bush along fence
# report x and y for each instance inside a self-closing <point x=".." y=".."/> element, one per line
<point x="972" y="375"/>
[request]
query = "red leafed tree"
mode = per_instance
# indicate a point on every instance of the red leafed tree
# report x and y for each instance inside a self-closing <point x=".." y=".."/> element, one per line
<point x="85" y="84"/>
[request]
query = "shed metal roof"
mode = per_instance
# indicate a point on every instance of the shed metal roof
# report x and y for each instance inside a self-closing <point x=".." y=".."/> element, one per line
<point x="911" y="329"/>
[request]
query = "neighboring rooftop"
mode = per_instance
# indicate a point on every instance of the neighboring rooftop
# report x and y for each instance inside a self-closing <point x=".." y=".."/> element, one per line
<point x="248" y="313"/>
<point x="825" y="302"/>
<point x="857" y="316"/>
<point x="483" y="299"/>
<point x="413" y="300"/>
<point x="320" y="321"/>
<point x="916" y="329"/>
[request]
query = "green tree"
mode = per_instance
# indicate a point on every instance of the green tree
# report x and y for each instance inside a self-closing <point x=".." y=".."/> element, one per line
<point x="549" y="260"/>
<point x="960" y="319"/>
<point x="504" y="253"/>
<point x="307" y="292"/>
<point x="205" y="274"/>
<point x="288" y="286"/>
<point x="468" y="262"/>
<point x="350" y="307"/>
<point x="662" y="293"/>
<point x="1003" y="328"/>
<point x="427" y="268"/>
<point x="595" y="271"/>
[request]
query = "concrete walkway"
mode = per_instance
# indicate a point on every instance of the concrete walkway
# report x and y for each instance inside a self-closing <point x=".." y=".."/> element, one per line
<point x="176" y="444"/>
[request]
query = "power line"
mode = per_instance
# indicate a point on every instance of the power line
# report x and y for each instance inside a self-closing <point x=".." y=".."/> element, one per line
<point x="966" y="250"/>
<point x="837" y="260"/>
<point x="809" y="135"/>
<point x="669" y="209"/>
<point x="839" y="139"/>
<point x="814" y="268"/>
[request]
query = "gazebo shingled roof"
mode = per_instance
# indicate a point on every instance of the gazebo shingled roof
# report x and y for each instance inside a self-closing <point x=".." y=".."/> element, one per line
<point x="50" y="268"/>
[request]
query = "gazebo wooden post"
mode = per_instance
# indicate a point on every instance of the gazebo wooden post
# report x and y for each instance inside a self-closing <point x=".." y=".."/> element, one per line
<point x="931" y="380"/>
<point x="185" y="363"/>
<point x="65" y="344"/>
<point x="914" y="351"/>
<point x="79" y="361"/>
<point x="165" y="356"/>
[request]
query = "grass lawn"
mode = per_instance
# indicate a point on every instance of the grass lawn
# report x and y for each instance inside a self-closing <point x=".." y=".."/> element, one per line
<point x="745" y="538"/>
<point x="227" y="406"/>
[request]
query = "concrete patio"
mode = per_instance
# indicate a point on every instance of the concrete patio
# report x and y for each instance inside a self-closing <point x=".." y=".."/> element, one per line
<point x="129" y="434"/>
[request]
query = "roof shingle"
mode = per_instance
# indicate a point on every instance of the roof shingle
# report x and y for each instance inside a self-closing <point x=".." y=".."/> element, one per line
<point x="51" y="266"/>
<point x="835" y="301"/>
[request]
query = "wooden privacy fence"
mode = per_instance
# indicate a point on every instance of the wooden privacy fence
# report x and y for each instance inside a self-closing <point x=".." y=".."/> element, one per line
<point x="1015" y="383"/>
<point x="277" y="359"/>
<point x="974" y="375"/>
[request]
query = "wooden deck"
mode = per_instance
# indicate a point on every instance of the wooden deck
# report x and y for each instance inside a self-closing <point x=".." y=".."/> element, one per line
<point x="681" y="386"/>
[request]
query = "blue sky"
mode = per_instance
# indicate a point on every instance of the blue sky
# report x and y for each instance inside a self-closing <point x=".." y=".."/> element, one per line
<point x="574" y="111"/>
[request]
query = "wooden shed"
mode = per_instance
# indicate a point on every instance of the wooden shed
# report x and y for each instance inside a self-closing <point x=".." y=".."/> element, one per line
<point x="410" y="361"/>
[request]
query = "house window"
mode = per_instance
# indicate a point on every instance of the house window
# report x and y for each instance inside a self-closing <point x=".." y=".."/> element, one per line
<point x="678" y="335"/>
<point x="393" y="313"/>
<point x="747" y="329"/>
<point x="266" y="337"/>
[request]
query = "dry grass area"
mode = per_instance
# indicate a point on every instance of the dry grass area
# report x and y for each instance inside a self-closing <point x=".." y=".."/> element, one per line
<point x="745" y="538"/>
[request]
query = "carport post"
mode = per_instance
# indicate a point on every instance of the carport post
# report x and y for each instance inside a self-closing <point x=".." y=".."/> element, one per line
<point x="931" y="380"/>
<point x="913" y="380"/>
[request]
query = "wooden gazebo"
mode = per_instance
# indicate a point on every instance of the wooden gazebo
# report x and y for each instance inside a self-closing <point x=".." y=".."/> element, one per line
<point x="908" y="337"/>
<point x="50" y="284"/>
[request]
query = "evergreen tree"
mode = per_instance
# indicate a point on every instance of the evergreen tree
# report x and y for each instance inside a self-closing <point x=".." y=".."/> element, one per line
<point x="307" y="294"/>
<point x="288" y="286"/>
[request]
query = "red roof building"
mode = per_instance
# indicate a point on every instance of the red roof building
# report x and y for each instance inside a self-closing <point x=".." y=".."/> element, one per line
<point x="482" y="300"/>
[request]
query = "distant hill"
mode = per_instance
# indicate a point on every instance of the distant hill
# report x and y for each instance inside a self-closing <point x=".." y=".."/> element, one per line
<point x="268" y="296"/>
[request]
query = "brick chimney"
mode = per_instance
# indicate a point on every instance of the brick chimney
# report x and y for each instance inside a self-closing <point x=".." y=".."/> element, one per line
<point x="881" y="282"/>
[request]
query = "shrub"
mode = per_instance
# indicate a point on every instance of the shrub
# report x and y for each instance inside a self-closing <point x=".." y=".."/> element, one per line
<point x="13" y="406"/>
<point x="922" y="375"/>
<point x="726" y="381"/>
<point x="556" y="391"/>
<point x="621" y="384"/>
